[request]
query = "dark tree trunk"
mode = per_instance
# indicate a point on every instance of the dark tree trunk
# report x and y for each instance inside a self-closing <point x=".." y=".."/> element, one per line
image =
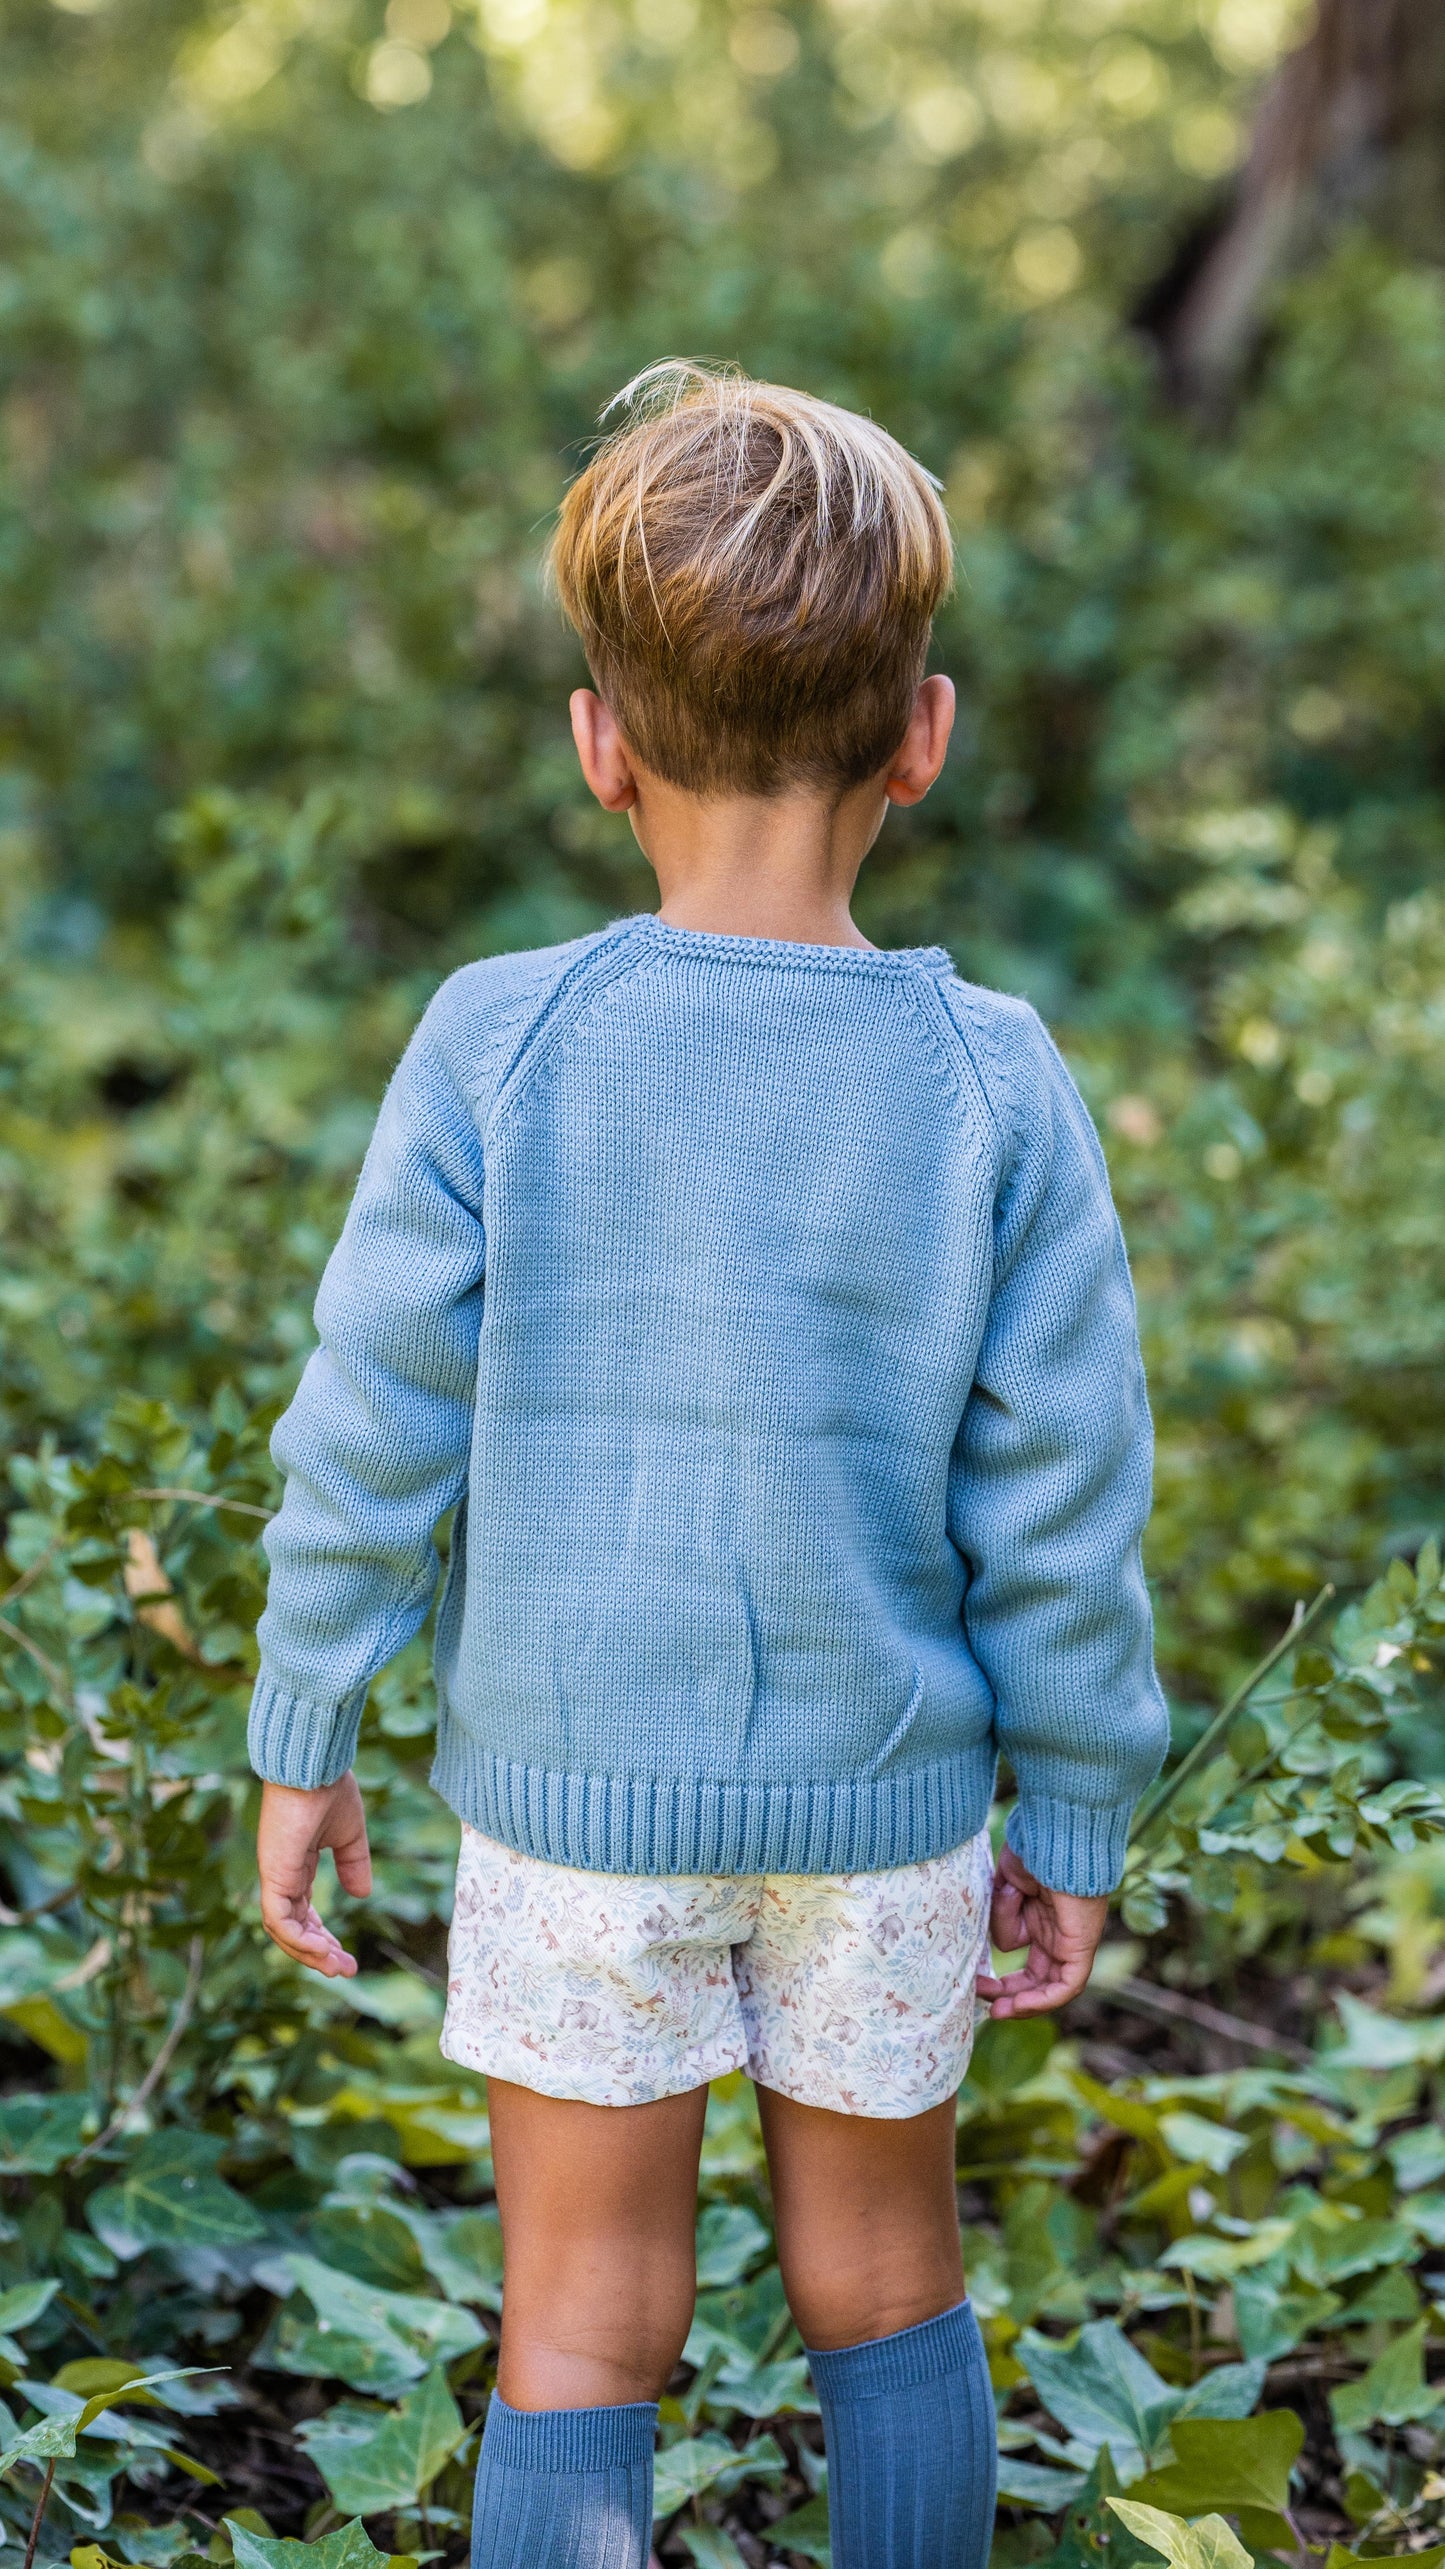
<point x="1353" y="122"/>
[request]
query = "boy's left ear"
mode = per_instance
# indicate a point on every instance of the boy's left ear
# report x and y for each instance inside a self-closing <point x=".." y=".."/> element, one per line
<point x="925" y="743"/>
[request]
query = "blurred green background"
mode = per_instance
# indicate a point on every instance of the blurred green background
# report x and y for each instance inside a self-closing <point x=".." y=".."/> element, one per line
<point x="305" y="317"/>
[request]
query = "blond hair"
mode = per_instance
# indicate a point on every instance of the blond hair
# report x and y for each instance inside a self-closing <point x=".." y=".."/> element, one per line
<point x="753" y="575"/>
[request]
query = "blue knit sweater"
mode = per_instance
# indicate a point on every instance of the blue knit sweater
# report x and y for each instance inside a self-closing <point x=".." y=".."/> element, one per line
<point x="762" y="1309"/>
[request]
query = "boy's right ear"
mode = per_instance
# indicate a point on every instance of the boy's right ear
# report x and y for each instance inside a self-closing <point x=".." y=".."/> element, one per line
<point x="604" y="755"/>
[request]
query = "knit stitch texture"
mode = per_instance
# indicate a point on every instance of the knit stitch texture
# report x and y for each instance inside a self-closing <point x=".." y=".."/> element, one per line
<point x="762" y="1310"/>
<point x="912" y="2447"/>
<point x="564" y="2488"/>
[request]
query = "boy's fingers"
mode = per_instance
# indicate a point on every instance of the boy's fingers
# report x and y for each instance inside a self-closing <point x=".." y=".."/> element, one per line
<point x="1047" y="1980"/>
<point x="303" y="1936"/>
<point x="352" y="1858"/>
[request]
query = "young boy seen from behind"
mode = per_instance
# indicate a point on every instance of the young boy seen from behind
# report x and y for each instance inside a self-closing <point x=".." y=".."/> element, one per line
<point x="757" y="1300"/>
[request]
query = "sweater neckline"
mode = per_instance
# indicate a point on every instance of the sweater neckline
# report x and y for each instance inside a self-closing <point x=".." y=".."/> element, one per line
<point x="708" y="943"/>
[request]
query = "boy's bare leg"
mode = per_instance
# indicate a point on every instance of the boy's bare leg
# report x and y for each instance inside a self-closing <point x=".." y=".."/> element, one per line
<point x="867" y="2218"/>
<point x="599" y="2210"/>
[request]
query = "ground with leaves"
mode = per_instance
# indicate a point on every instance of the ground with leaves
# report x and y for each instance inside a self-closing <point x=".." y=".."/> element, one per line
<point x="1186" y="2247"/>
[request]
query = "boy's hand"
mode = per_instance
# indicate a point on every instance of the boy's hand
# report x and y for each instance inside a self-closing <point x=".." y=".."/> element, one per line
<point x="294" y="1828"/>
<point x="1061" y="1930"/>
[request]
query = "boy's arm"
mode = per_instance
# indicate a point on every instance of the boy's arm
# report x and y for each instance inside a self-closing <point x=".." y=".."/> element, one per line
<point x="374" y="1446"/>
<point x="1049" y="1497"/>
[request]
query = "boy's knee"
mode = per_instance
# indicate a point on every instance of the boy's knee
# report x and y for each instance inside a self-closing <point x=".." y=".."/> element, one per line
<point x="585" y="2361"/>
<point x="614" y="2331"/>
<point x="837" y="2303"/>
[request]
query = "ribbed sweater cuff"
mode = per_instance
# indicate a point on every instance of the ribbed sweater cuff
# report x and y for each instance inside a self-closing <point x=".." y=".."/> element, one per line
<point x="570" y="2439"/>
<point x="1071" y="1846"/>
<point x="294" y="1740"/>
<point x="898" y="2363"/>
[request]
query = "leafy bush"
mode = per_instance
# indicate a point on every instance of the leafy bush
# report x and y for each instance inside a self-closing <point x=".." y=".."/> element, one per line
<point x="290" y="374"/>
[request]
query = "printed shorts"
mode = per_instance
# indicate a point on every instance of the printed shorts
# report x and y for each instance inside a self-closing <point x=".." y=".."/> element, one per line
<point x="848" y="1990"/>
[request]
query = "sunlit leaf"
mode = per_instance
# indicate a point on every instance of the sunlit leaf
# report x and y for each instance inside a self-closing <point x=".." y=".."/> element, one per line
<point x="349" y="2547"/>
<point x="372" y="2461"/>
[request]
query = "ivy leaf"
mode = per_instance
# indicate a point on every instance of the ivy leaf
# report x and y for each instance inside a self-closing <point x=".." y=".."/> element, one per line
<point x="1373" y="2041"/>
<point x="44" y="2442"/>
<point x="349" y="2547"/>
<point x="19" y="2307"/>
<point x="1033" y="2484"/>
<point x="805" y="2531"/>
<point x="1326" y="2255"/>
<point x="769" y="2390"/>
<point x="171" y="2196"/>
<point x="1219" y="2260"/>
<point x="1394" y="2391"/>
<point x="1271" y="2323"/>
<point x="710" y="2547"/>
<point x="699" y="2462"/>
<point x="730" y="2239"/>
<point x="1231" y="2390"/>
<point x="1101" y="2390"/>
<point x="462" y="2253"/>
<point x="1194" y="2137"/>
<point x="372" y="2462"/>
<point x="1206" y="2545"/>
<point x="1228" y="2462"/>
<point x="375" y="2340"/>
<point x="1007" y="2054"/>
<point x="39" y="2133"/>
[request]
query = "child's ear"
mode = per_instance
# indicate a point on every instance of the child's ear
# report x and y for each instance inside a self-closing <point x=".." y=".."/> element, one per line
<point x="604" y="755"/>
<point x="924" y="743"/>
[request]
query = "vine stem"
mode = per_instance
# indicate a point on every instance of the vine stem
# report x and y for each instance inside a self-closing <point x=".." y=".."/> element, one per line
<point x="163" y="2058"/>
<point x="28" y="1577"/>
<point x="47" y="1667"/>
<point x="207" y="1499"/>
<point x="38" y="2518"/>
<point x="1158" y="1801"/>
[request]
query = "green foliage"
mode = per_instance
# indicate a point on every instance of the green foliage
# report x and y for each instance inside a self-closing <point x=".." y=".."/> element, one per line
<point x="374" y="2462"/>
<point x="291" y="373"/>
<point x="347" y="2548"/>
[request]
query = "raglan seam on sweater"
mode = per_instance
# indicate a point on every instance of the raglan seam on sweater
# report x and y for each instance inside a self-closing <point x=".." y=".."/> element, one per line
<point x="951" y="1046"/>
<point x="1007" y="1101"/>
<point x="985" y="1058"/>
<point x="573" y="1004"/>
<point x="515" y="1024"/>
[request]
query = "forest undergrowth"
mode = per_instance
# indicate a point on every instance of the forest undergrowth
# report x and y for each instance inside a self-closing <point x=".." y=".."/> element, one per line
<point x="305" y="315"/>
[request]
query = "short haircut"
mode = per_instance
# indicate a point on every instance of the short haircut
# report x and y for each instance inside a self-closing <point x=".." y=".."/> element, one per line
<point x="753" y="575"/>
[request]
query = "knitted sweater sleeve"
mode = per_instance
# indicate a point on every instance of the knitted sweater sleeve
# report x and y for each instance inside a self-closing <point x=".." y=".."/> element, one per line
<point x="1050" y="1491"/>
<point x="375" y="1444"/>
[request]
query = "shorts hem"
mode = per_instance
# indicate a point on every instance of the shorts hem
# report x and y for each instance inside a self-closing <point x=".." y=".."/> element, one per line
<point x="500" y="2060"/>
<point x="905" y="2113"/>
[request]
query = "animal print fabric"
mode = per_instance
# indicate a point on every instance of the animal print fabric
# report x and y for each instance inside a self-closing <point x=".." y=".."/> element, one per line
<point x="853" y="1991"/>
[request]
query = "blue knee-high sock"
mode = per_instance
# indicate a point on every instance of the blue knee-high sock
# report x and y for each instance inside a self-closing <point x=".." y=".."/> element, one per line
<point x="564" y="2488"/>
<point x="912" y="2459"/>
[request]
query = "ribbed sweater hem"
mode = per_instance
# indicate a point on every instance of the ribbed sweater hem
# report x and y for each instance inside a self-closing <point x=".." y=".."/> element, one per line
<point x="664" y="1824"/>
<point x="570" y="2439"/>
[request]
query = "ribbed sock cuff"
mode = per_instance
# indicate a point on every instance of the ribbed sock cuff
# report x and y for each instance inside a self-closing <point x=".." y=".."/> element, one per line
<point x="948" y="2344"/>
<point x="569" y="2439"/>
